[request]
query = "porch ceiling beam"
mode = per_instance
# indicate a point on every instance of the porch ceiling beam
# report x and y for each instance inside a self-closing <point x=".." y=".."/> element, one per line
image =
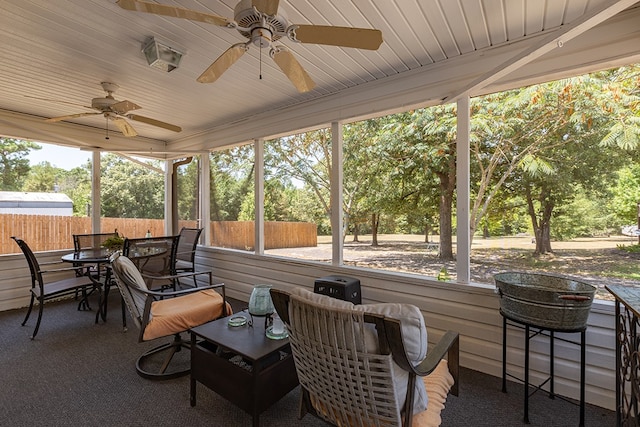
<point x="547" y="44"/>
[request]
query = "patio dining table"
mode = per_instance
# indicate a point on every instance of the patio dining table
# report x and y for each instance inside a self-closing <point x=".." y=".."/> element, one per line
<point x="97" y="257"/>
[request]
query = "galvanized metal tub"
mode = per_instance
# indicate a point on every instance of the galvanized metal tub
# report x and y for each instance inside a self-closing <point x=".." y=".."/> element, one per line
<point x="545" y="300"/>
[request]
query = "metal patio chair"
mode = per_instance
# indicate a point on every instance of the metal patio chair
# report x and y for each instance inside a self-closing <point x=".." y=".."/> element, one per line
<point x="160" y="314"/>
<point x="42" y="290"/>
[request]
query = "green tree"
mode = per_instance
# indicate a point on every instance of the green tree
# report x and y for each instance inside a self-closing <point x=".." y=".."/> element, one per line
<point x="14" y="164"/>
<point x="571" y="121"/>
<point x="302" y="161"/>
<point x="76" y="184"/>
<point x="232" y="172"/>
<point x="42" y="178"/>
<point x="422" y="145"/>
<point x="626" y="195"/>
<point x="130" y="190"/>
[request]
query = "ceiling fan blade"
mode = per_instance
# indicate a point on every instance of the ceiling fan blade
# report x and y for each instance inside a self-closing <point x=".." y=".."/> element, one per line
<point x="224" y="61"/>
<point x="123" y="107"/>
<point x="269" y="7"/>
<point x="361" y="38"/>
<point x="70" y="116"/>
<point x="124" y="126"/>
<point x="293" y="70"/>
<point x="174" y="12"/>
<point x="154" y="122"/>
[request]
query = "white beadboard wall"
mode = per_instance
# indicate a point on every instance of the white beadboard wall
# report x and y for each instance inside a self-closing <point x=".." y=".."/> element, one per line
<point x="472" y="310"/>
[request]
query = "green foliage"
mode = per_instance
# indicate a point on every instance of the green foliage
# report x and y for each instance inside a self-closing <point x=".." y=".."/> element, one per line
<point x="130" y="190"/>
<point x="14" y="164"/>
<point x="632" y="249"/>
<point x="582" y="217"/>
<point x="626" y="194"/>
<point x="231" y="182"/>
<point x="76" y="184"/>
<point x="42" y="178"/>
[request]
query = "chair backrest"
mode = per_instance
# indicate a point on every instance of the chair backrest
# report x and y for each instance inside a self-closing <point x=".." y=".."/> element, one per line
<point x="154" y="256"/>
<point x="34" y="266"/>
<point x="346" y="378"/>
<point x="91" y="241"/>
<point x="132" y="287"/>
<point x="187" y="244"/>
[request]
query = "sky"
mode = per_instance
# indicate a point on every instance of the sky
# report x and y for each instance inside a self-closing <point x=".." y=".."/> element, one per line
<point x="61" y="157"/>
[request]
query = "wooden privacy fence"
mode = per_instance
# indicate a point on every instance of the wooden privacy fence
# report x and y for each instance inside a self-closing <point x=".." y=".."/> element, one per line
<point x="47" y="232"/>
<point x="241" y="234"/>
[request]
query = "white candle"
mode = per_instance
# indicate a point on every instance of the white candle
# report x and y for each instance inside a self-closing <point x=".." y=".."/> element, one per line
<point x="278" y="326"/>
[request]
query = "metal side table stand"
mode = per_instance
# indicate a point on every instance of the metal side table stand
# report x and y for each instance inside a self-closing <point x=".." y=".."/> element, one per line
<point x="538" y="330"/>
<point x="627" y="354"/>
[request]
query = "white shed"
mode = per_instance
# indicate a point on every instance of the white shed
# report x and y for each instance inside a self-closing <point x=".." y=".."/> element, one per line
<point x="16" y="202"/>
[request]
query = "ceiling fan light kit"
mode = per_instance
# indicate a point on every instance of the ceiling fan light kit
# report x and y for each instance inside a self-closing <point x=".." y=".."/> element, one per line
<point x="262" y="22"/>
<point x="160" y="55"/>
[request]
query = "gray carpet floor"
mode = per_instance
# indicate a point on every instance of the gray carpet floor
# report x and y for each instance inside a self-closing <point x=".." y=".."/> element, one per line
<point x="77" y="373"/>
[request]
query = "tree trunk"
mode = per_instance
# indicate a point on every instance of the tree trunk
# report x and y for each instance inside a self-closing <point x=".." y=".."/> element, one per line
<point x="447" y="186"/>
<point x="355" y="233"/>
<point x="426" y="231"/>
<point x="542" y="226"/>
<point x="375" y="220"/>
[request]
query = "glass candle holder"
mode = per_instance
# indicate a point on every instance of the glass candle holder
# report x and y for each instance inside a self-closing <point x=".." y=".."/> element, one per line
<point x="260" y="303"/>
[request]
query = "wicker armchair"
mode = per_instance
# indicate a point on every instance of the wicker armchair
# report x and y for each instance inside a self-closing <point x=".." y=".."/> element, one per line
<point x="357" y="364"/>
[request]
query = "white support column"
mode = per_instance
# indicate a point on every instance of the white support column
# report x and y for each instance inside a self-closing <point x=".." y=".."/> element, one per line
<point x="258" y="148"/>
<point x="205" y="197"/>
<point x="337" y="242"/>
<point x="463" y="176"/>
<point x="96" y="206"/>
<point x="168" y="199"/>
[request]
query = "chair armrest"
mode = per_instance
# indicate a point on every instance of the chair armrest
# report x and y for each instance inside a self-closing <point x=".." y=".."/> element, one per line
<point x="174" y="276"/>
<point x="182" y="291"/>
<point x="56" y="270"/>
<point x="449" y="345"/>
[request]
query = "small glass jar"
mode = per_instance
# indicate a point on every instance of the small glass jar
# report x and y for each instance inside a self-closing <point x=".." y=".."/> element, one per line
<point x="260" y="303"/>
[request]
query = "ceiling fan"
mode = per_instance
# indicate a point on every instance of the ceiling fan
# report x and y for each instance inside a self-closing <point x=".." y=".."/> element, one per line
<point x="115" y="111"/>
<point x="263" y="23"/>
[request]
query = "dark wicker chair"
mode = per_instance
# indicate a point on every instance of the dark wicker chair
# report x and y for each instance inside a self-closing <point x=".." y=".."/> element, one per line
<point x="42" y="291"/>
<point x="186" y="253"/>
<point x="160" y="314"/>
<point x="357" y="364"/>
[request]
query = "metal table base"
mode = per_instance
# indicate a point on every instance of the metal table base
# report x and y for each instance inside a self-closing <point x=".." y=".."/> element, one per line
<point x="537" y="330"/>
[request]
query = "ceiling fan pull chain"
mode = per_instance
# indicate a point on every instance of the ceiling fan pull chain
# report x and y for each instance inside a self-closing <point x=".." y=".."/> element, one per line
<point x="107" y="136"/>
<point x="260" y="48"/>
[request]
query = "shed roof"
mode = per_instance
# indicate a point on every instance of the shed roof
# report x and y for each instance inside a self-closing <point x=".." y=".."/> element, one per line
<point x="31" y="197"/>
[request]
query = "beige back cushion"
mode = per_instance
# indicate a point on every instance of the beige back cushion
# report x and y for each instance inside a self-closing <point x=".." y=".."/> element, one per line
<point x="130" y="274"/>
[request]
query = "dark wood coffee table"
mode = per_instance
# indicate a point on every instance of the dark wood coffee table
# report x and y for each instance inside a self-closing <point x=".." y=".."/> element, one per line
<point x="242" y="365"/>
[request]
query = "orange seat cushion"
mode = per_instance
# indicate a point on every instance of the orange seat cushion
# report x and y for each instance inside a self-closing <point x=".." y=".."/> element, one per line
<point x="173" y="315"/>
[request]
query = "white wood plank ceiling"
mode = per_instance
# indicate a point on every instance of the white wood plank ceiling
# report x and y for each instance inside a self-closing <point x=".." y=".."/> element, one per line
<point x="61" y="50"/>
